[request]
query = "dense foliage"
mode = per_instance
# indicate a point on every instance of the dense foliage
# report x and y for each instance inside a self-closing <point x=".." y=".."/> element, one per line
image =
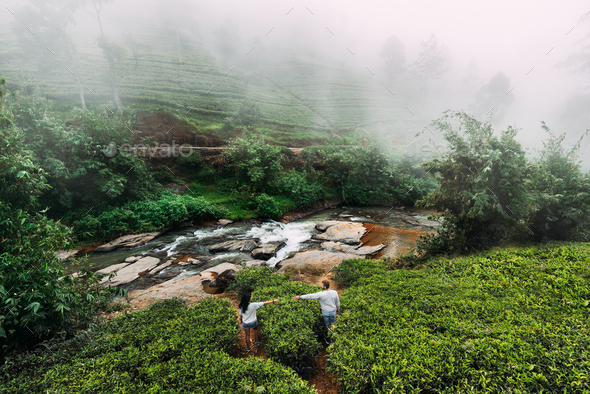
<point x="167" y="347"/>
<point x="150" y="214"/>
<point x="482" y="195"/>
<point x="560" y="192"/>
<point x="74" y="154"/>
<point x="511" y="321"/>
<point x="36" y="300"/>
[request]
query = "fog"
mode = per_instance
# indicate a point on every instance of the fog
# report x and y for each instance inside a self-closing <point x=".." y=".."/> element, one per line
<point x="526" y="41"/>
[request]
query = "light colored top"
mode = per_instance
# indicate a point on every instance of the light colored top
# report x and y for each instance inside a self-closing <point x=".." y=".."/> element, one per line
<point x="329" y="301"/>
<point x="249" y="316"/>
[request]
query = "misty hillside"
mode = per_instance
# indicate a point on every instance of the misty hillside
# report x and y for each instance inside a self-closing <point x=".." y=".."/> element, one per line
<point x="295" y="91"/>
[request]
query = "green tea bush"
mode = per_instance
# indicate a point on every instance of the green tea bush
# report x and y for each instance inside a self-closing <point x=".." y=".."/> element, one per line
<point x="254" y="278"/>
<point x="513" y="321"/>
<point x="291" y="328"/>
<point x="299" y="187"/>
<point x="167" y="347"/>
<point x="349" y="272"/>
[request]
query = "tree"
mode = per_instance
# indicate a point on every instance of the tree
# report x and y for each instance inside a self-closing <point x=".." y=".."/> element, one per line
<point x="135" y="45"/>
<point x="37" y="299"/>
<point x="578" y="64"/>
<point x="482" y="195"/>
<point x="433" y="61"/>
<point x="493" y="98"/>
<point x="254" y="161"/>
<point x="394" y="51"/>
<point x="112" y="50"/>
<point x="471" y="81"/>
<point x="50" y="44"/>
<point x="561" y="193"/>
<point x="176" y="19"/>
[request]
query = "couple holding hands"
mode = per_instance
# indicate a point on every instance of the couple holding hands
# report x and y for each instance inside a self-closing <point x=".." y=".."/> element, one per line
<point x="329" y="302"/>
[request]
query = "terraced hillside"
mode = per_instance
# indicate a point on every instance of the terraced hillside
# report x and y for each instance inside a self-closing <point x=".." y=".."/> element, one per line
<point x="295" y="93"/>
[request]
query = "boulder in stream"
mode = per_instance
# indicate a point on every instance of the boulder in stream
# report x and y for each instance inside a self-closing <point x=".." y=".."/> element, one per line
<point x="240" y="245"/>
<point x="223" y="279"/>
<point x="267" y="251"/>
<point x="343" y="232"/>
<point x="354" y="249"/>
<point x="132" y="271"/>
<point x="317" y="259"/>
<point x="224" y="222"/>
<point x="127" y="241"/>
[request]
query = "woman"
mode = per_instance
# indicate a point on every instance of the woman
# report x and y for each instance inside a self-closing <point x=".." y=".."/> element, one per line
<point x="247" y="311"/>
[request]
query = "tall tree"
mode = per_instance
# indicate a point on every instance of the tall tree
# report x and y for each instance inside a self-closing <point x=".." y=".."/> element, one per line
<point x="113" y="51"/>
<point x="176" y="20"/>
<point x="493" y="99"/>
<point x="578" y="64"/>
<point x="471" y="81"/>
<point x="432" y="63"/>
<point x="394" y="52"/>
<point x="48" y="41"/>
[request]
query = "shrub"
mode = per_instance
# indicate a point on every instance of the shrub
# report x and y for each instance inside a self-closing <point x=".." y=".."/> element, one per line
<point x="349" y="272"/>
<point x="561" y="193"/>
<point x="253" y="278"/>
<point x="146" y="215"/>
<point x="191" y="162"/>
<point x="512" y="321"/>
<point x="268" y="206"/>
<point x="291" y="327"/>
<point x="299" y="187"/>
<point x="482" y="193"/>
<point x="254" y="162"/>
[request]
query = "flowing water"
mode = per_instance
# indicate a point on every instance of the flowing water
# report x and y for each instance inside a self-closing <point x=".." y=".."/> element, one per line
<point x="397" y="228"/>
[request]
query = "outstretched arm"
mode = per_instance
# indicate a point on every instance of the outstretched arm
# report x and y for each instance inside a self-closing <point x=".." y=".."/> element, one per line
<point x="309" y="296"/>
<point x="271" y="302"/>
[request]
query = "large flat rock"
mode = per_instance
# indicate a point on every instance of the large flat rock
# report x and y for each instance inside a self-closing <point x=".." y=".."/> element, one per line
<point x="112" y="268"/>
<point x="132" y="271"/>
<point x="240" y="245"/>
<point x="127" y="241"/>
<point x="344" y="232"/>
<point x="267" y="251"/>
<point x="323" y="226"/>
<point x="186" y="286"/>
<point x="354" y="249"/>
<point x="218" y="269"/>
<point x="316" y="258"/>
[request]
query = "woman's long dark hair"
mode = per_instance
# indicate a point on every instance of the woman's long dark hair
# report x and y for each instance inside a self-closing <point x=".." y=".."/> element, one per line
<point x="245" y="302"/>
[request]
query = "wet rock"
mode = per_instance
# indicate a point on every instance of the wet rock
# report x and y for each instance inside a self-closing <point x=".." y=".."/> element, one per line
<point x="187" y="286"/>
<point x="344" y="232"/>
<point x="241" y="245"/>
<point x="132" y="271"/>
<point x="267" y="251"/>
<point x="360" y="251"/>
<point x="127" y="241"/>
<point x="160" y="267"/>
<point x="224" y="222"/>
<point x="132" y="259"/>
<point x="63" y="255"/>
<point x="317" y="259"/>
<point x="213" y="272"/>
<point x="192" y="261"/>
<point x="223" y="279"/>
<point x="323" y="226"/>
<point x="112" y="268"/>
<point x="255" y="263"/>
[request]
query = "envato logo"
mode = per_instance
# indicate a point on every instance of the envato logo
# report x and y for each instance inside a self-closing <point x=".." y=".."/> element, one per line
<point x="161" y="150"/>
<point x="428" y="150"/>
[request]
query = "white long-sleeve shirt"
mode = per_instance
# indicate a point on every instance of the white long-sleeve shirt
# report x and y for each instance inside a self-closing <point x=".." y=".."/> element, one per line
<point x="329" y="300"/>
<point x="249" y="316"/>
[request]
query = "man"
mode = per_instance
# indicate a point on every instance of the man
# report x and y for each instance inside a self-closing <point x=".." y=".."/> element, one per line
<point x="329" y="302"/>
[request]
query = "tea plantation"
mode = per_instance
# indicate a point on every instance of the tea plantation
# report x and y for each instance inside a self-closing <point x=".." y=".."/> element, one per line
<point x="167" y="348"/>
<point x="512" y="321"/>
